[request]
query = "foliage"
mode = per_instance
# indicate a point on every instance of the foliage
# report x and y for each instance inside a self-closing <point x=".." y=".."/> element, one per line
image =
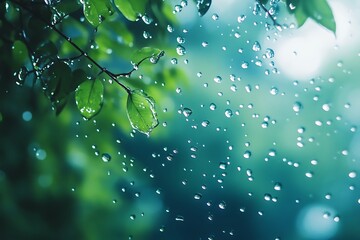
<point x="318" y="10"/>
<point x="65" y="50"/>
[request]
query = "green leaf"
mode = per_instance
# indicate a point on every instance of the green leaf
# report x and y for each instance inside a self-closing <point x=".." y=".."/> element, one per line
<point x="96" y="11"/>
<point x="58" y="81"/>
<point x="263" y="1"/>
<point x="202" y="6"/>
<point x="141" y="111"/>
<point x="45" y="54"/>
<point x="320" y="11"/>
<point x="300" y="15"/>
<point x="292" y="5"/>
<point x="89" y="97"/>
<point x="19" y="53"/>
<point x="147" y="52"/>
<point x="131" y="9"/>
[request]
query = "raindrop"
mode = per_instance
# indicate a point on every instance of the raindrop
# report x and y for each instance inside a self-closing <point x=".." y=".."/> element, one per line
<point x="217" y="79"/>
<point x="222" y="165"/>
<point x="352" y="174"/>
<point x="215" y="17"/>
<point x="205" y="123"/>
<point x="106" y="157"/>
<point x="180" y="40"/>
<point x="309" y="174"/>
<point x="179" y="218"/>
<point x="274" y="91"/>
<point x="228" y="113"/>
<point x="204" y="44"/>
<point x="277" y="186"/>
<point x="256" y="46"/>
<point x="174" y="61"/>
<point x="241" y="18"/>
<point x="197" y="196"/>
<point x="245" y="65"/>
<point x="183" y="3"/>
<point x="180" y="50"/>
<point x="212" y="106"/>
<point x="267" y="197"/>
<point x="222" y="205"/>
<point x="146" y="19"/>
<point x="326" y="107"/>
<point x="297" y="106"/>
<point x="269" y="53"/>
<point x="177" y="8"/>
<point x="187" y="112"/>
<point x="21" y="75"/>
<point x="247" y="154"/>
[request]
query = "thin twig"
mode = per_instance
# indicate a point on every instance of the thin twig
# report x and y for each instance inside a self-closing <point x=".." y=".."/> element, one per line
<point x="268" y="13"/>
<point x="83" y="53"/>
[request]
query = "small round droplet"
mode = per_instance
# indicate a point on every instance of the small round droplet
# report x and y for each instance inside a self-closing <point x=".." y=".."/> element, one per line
<point x="197" y="196"/>
<point x="297" y="106"/>
<point x="215" y="17"/>
<point x="180" y="50"/>
<point x="277" y="186"/>
<point x="228" y="113"/>
<point x="187" y="112"/>
<point x="247" y="154"/>
<point x="222" y="205"/>
<point x="256" y="46"/>
<point x="269" y="53"/>
<point x="352" y="174"/>
<point x="106" y="157"/>
<point x="217" y="79"/>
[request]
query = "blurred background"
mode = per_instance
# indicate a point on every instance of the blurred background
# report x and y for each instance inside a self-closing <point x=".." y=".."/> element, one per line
<point x="258" y="134"/>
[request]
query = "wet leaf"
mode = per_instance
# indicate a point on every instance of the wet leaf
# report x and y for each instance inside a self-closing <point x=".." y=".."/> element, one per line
<point x="300" y="15"/>
<point x="96" y="11"/>
<point x="131" y="9"/>
<point x="153" y="53"/>
<point x="321" y="12"/>
<point x="45" y="53"/>
<point x="202" y="6"/>
<point x="89" y="97"/>
<point x="58" y="81"/>
<point x="19" y="53"/>
<point x="263" y="1"/>
<point x="141" y="111"/>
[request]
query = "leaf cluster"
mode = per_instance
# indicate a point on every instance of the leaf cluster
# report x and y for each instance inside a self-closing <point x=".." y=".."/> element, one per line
<point x="317" y="10"/>
<point x="53" y="49"/>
